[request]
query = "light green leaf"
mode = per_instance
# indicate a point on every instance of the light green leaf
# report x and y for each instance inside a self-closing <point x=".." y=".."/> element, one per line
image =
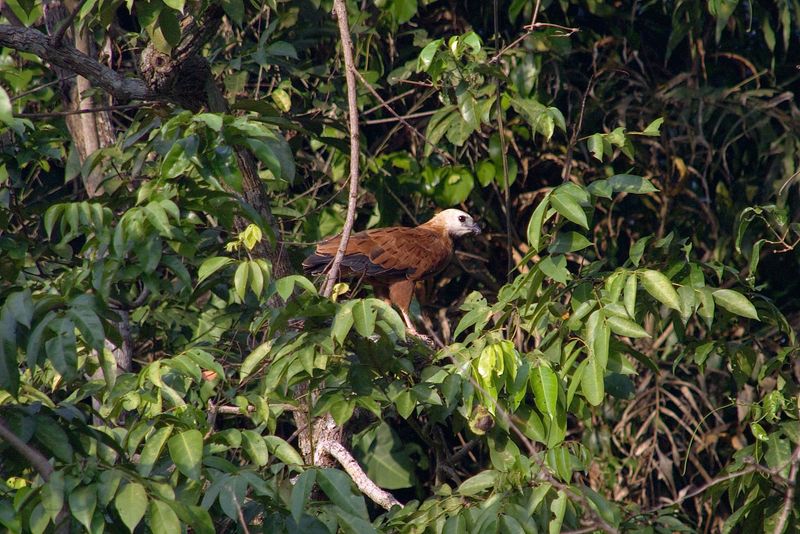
<point x="152" y="450"/>
<point x="595" y="144"/>
<point x="364" y="315"/>
<point x="240" y="279"/>
<point x="555" y="267"/>
<point x="478" y="483"/>
<point x="186" y="450"/>
<point x="735" y="302"/>
<point x="131" y="504"/>
<point x="255" y="447"/>
<point x="6" y="116"/>
<point x="660" y="288"/>
<point x="544" y="383"/>
<point x="537" y="221"/>
<point x="568" y="207"/>
<point x="210" y="266"/>
<point x="626" y="327"/>
<point x="629" y="295"/>
<point x="628" y="183"/>
<point x="162" y="519"/>
<point x="654" y="128"/>
<point x="82" y="502"/>
<point x="343" y="321"/>
<point x="427" y="55"/>
<point x="283" y="451"/>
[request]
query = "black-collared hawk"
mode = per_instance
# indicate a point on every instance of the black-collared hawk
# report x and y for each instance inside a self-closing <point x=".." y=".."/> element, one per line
<point x="392" y="260"/>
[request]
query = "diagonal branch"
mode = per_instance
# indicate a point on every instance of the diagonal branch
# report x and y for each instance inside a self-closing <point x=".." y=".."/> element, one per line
<point x="362" y="481"/>
<point x="36" y="458"/>
<point x="68" y="57"/>
<point x="349" y="71"/>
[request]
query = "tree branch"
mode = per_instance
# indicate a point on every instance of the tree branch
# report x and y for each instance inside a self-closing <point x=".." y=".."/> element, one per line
<point x="36" y="458"/>
<point x="788" y="499"/>
<point x="69" y="58"/>
<point x="365" y="485"/>
<point x="349" y="71"/>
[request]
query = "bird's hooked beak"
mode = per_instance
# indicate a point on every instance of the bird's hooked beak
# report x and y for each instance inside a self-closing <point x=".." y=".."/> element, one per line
<point x="475" y="229"/>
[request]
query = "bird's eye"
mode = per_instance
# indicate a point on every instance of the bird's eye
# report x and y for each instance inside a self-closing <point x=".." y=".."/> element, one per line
<point x="461" y="218"/>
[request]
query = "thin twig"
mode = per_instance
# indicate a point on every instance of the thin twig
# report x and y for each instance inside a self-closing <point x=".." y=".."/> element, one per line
<point x="340" y="10"/>
<point x="788" y="499"/>
<point x="57" y="37"/>
<point x="503" y="155"/>
<point x="400" y="118"/>
<point x="49" y="114"/>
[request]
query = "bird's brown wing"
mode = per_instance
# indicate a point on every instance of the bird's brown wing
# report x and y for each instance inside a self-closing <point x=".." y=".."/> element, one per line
<point x="387" y="253"/>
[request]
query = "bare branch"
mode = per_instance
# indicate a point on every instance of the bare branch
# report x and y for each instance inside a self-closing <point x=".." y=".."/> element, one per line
<point x="788" y="499"/>
<point x="67" y="57"/>
<point x="36" y="458"/>
<point x="349" y="71"/>
<point x="365" y="485"/>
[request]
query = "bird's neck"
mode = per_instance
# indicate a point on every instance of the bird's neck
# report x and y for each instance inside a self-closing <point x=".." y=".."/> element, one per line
<point x="437" y="226"/>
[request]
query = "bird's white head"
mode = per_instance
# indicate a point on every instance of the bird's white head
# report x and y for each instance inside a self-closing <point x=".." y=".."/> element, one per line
<point x="456" y="222"/>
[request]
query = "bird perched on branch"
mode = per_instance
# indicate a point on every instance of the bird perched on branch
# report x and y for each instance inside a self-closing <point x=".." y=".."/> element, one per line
<point x="392" y="260"/>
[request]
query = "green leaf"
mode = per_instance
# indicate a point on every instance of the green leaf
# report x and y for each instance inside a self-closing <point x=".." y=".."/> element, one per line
<point x="52" y="494"/>
<point x="628" y="183"/>
<point x="152" y="450"/>
<point x="300" y="493"/>
<point x="254" y="359"/>
<point x="283" y="451"/>
<point x="660" y="288"/>
<point x="343" y="321"/>
<point x="82" y="502"/>
<point x="595" y="144"/>
<point x="186" y="450"/>
<point x="654" y="128"/>
<point x="364" y="318"/>
<point x="61" y="349"/>
<point x="89" y="325"/>
<point x="558" y="507"/>
<point x="544" y="383"/>
<point x="568" y="242"/>
<point x="240" y="280"/>
<point x="486" y="172"/>
<point x="235" y="10"/>
<point x="338" y="487"/>
<point x="629" y="296"/>
<point x="264" y="152"/>
<point x="735" y="302"/>
<point x="537" y="221"/>
<point x="162" y="519"/>
<point x="555" y="267"/>
<point x="600" y="188"/>
<point x="6" y="115"/>
<point x="20" y="305"/>
<point x="637" y="250"/>
<point x="131" y="504"/>
<point x="478" y="483"/>
<point x="427" y="55"/>
<point x="281" y="48"/>
<point x="255" y="447"/>
<point x="626" y="327"/>
<point x="210" y="266"/>
<point x="569" y="208"/>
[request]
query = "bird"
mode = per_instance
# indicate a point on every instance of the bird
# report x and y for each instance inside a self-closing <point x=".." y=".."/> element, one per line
<point x="393" y="259"/>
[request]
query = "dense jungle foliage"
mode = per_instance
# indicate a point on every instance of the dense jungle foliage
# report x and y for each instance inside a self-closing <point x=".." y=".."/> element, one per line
<point x="616" y="352"/>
